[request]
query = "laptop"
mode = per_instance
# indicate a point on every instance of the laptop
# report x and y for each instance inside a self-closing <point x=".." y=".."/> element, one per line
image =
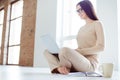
<point x="50" y="44"/>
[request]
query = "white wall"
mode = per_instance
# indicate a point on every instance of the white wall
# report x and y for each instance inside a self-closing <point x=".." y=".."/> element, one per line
<point x="118" y="7"/>
<point x="45" y="23"/>
<point x="107" y="12"/>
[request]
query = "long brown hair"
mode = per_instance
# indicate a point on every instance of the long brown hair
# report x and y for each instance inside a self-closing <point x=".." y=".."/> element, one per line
<point x="87" y="6"/>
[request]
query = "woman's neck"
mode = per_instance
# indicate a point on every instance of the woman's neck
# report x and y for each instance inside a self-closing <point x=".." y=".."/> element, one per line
<point x="88" y="20"/>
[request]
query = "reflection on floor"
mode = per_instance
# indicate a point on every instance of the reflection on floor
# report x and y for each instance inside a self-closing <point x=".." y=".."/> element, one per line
<point x="36" y="73"/>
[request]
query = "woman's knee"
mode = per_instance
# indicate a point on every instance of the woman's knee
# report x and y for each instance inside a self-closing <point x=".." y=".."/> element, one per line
<point x="46" y="52"/>
<point x="64" y="51"/>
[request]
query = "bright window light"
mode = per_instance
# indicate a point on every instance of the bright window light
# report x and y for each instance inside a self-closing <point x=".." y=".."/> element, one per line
<point x="15" y="32"/>
<point x="1" y="25"/>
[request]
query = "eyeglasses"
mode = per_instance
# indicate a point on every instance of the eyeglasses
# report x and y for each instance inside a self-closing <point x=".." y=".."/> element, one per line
<point x="79" y="10"/>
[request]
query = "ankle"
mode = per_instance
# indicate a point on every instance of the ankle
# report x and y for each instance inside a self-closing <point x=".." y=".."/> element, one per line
<point x="55" y="70"/>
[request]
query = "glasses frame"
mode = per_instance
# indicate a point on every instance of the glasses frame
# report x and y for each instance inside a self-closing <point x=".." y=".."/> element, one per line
<point x="79" y="10"/>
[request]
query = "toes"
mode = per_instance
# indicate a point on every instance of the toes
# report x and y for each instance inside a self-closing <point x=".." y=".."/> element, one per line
<point x="63" y="70"/>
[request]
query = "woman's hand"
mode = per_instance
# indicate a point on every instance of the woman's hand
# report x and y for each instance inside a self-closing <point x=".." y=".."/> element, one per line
<point x="78" y="50"/>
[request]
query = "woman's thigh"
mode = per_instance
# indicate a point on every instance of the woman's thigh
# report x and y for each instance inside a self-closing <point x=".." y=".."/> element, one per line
<point x="78" y="61"/>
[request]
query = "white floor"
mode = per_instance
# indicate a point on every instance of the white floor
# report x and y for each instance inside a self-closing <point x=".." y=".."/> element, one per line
<point x="36" y="73"/>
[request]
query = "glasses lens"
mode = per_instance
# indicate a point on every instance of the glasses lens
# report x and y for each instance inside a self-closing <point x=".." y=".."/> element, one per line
<point x="79" y="10"/>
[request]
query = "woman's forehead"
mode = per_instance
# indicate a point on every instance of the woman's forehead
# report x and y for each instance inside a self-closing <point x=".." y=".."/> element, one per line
<point x="78" y="6"/>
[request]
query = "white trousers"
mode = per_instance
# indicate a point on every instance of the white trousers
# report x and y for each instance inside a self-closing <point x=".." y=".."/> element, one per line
<point x="70" y="59"/>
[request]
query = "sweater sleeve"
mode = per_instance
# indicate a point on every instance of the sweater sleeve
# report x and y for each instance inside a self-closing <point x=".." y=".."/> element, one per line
<point x="99" y="43"/>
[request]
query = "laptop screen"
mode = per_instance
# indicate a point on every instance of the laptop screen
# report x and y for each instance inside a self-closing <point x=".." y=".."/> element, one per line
<point x="50" y="43"/>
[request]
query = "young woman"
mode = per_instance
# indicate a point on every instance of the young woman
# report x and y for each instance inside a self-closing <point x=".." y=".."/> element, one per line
<point x="90" y="41"/>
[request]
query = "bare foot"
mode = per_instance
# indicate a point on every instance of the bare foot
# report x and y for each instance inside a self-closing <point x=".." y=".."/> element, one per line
<point x="63" y="70"/>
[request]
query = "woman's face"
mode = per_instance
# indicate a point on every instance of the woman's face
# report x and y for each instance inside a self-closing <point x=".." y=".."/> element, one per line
<point x="81" y="12"/>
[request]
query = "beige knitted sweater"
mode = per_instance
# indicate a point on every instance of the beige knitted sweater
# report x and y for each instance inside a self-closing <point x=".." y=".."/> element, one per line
<point x="90" y="40"/>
